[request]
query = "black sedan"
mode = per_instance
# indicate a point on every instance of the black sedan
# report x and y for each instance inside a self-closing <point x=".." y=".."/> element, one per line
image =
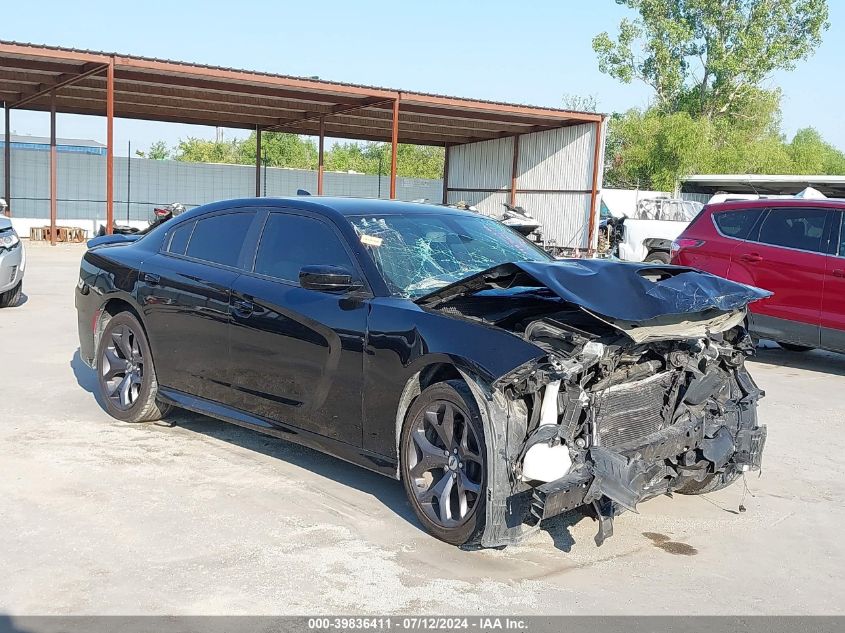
<point x="435" y="346"/>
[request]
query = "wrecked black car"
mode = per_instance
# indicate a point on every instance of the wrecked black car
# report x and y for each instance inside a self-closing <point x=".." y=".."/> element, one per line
<point x="432" y="345"/>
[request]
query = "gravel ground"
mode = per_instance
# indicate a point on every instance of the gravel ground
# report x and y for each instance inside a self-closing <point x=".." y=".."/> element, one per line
<point x="193" y="516"/>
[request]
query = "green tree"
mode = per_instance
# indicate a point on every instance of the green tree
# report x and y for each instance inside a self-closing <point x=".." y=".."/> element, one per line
<point x="709" y="57"/>
<point x="412" y="161"/>
<point x="197" y="150"/>
<point x="280" y="150"/>
<point x="156" y="151"/>
<point x="812" y="155"/>
<point x="579" y="103"/>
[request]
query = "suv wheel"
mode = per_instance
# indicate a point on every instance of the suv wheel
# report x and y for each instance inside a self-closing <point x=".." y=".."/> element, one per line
<point x="125" y="372"/>
<point x="443" y="462"/>
<point x="792" y="347"/>
<point x="658" y="257"/>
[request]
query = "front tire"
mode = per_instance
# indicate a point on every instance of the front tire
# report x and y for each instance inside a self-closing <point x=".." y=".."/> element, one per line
<point x="658" y="257"/>
<point x="10" y="298"/>
<point x="443" y="462"/>
<point x="125" y="373"/>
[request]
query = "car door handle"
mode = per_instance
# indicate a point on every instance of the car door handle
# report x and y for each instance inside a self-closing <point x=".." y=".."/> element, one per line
<point x="751" y="258"/>
<point x="838" y="272"/>
<point x="243" y="308"/>
<point x="152" y="279"/>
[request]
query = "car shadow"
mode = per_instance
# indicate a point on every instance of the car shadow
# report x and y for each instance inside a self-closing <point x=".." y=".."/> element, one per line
<point x="389" y="491"/>
<point x="558" y="527"/>
<point x="85" y="376"/>
<point x="814" y="360"/>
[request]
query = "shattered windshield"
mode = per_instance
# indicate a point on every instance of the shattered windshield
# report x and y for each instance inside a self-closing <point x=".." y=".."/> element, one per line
<point x="418" y="254"/>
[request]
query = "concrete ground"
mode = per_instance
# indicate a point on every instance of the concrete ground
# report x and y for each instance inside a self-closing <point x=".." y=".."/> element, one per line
<point x="193" y="516"/>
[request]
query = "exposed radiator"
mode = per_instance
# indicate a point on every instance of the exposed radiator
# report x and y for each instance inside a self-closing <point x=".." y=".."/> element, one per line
<point x="631" y="410"/>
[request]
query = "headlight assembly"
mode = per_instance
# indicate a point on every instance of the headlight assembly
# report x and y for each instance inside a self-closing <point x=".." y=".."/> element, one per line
<point x="9" y="240"/>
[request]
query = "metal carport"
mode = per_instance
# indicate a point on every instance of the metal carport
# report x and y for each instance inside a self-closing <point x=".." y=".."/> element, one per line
<point x="54" y="79"/>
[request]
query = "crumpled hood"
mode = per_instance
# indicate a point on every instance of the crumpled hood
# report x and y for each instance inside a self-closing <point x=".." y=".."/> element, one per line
<point x="617" y="291"/>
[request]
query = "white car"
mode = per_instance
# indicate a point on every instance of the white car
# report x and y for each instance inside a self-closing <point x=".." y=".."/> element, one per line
<point x="12" y="262"/>
<point x="647" y="235"/>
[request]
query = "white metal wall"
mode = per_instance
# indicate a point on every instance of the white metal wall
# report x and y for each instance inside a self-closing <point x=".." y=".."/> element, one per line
<point x="81" y="180"/>
<point x="554" y="178"/>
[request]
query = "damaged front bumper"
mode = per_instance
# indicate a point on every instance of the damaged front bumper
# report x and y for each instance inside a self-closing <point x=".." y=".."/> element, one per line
<point x="713" y="433"/>
<point x="613" y="481"/>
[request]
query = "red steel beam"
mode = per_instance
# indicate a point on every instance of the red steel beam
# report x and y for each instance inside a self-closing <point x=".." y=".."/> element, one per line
<point x="341" y="108"/>
<point x="54" y="205"/>
<point x="7" y="162"/>
<point x="446" y="174"/>
<point x="514" y="169"/>
<point x="59" y="82"/>
<point x="594" y="193"/>
<point x="394" y="143"/>
<point x="257" y="161"/>
<point x="320" y="156"/>
<point x="110" y="147"/>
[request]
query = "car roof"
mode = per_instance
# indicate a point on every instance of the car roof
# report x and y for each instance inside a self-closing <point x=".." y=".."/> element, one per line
<point x="734" y="205"/>
<point x="331" y="206"/>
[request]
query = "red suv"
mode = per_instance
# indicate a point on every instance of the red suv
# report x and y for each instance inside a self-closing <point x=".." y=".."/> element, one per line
<point x="794" y="248"/>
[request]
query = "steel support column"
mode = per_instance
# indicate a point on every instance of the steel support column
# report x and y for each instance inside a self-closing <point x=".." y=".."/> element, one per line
<point x="7" y="162"/>
<point x="320" y="156"/>
<point x="594" y="193"/>
<point x="53" y="170"/>
<point x="514" y="169"/>
<point x="393" y="147"/>
<point x="257" y="161"/>
<point x="110" y="147"/>
<point x="446" y="174"/>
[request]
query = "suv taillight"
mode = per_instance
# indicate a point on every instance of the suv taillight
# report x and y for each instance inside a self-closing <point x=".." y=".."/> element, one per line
<point x="684" y="242"/>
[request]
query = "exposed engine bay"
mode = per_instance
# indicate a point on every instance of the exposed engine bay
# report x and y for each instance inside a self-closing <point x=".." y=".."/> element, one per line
<point x="617" y="410"/>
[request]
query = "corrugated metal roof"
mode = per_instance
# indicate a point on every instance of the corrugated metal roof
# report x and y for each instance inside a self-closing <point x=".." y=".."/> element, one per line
<point x="169" y="90"/>
<point x="190" y="65"/>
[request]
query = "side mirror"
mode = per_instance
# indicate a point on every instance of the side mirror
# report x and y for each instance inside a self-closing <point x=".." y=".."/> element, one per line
<point x="328" y="279"/>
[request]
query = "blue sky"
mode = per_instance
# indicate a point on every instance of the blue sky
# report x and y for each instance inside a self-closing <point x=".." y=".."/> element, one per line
<point x="526" y="52"/>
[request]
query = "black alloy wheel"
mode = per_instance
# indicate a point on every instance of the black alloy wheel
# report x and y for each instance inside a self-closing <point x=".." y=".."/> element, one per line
<point x="125" y="372"/>
<point x="122" y="367"/>
<point x="444" y="462"/>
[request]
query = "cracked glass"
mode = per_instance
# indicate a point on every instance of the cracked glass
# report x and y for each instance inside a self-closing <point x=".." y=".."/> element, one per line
<point x="418" y="254"/>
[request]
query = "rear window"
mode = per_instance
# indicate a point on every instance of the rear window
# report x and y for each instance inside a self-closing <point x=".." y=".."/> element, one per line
<point x="179" y="238"/>
<point x="794" y="228"/>
<point x="219" y="239"/>
<point x="736" y="223"/>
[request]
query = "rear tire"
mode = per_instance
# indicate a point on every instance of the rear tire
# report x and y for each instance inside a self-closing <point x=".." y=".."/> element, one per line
<point x="125" y="373"/>
<point x="792" y="347"/>
<point x="658" y="257"/>
<point x="10" y="298"/>
<point x="443" y="462"/>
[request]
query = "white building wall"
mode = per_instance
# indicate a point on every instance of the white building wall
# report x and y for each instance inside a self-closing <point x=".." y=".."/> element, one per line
<point x="554" y="179"/>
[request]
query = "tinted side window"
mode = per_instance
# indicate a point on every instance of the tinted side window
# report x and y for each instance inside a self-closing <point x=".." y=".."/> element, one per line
<point x="219" y="239"/>
<point x="736" y="223"/>
<point x="794" y="228"/>
<point x="179" y="238"/>
<point x="840" y="249"/>
<point x="290" y="242"/>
